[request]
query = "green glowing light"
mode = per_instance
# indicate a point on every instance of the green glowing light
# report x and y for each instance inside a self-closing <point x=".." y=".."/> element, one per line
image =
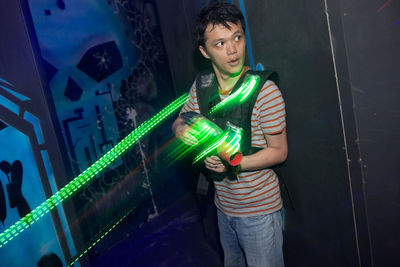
<point x="228" y="143"/>
<point x="203" y="130"/>
<point x="88" y="175"/>
<point x="209" y="149"/>
<point x="234" y="142"/>
<point x="244" y="91"/>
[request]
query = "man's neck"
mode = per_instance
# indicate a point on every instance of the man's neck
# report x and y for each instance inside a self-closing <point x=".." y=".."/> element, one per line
<point x="226" y="82"/>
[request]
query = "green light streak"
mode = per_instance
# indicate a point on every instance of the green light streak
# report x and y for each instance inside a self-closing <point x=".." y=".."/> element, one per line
<point x="101" y="236"/>
<point x="203" y="129"/>
<point x="210" y="148"/>
<point x="88" y="175"/>
<point x="248" y="89"/>
<point x="241" y="94"/>
<point x="235" y="140"/>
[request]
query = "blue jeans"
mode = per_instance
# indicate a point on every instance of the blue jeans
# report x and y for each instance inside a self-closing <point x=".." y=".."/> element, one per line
<point x="255" y="241"/>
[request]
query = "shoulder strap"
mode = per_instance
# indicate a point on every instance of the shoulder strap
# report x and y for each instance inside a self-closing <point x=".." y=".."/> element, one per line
<point x="264" y="75"/>
<point x="206" y="90"/>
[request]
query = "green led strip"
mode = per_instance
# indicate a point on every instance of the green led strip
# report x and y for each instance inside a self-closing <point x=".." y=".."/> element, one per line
<point x="241" y="94"/>
<point x="88" y="175"/>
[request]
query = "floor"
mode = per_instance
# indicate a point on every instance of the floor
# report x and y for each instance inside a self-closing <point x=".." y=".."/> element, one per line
<point x="183" y="234"/>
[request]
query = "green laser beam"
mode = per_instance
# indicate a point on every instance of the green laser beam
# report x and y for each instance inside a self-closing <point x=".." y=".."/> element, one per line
<point x="88" y="175"/>
<point x="101" y="235"/>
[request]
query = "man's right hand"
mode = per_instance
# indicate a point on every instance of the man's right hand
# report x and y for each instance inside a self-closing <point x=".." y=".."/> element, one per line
<point x="184" y="132"/>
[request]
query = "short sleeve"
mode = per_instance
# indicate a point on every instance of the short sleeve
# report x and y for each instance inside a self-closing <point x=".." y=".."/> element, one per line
<point x="270" y="109"/>
<point x="191" y="104"/>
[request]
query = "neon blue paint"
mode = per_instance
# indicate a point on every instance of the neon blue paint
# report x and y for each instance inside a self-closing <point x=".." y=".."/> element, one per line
<point x="36" y="125"/>
<point x="9" y="105"/>
<point x="41" y="236"/>
<point x="17" y="95"/>
<point x="4" y="81"/>
<point x="247" y="36"/>
<point x="260" y="66"/>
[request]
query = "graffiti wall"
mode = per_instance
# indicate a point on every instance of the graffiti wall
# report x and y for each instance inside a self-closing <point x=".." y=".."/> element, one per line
<point x="103" y="72"/>
<point x="106" y="69"/>
<point x="21" y="189"/>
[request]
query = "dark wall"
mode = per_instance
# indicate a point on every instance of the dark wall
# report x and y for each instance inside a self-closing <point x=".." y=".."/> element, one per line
<point x="320" y="230"/>
<point x="177" y="19"/>
<point x="337" y="65"/>
<point x="371" y="33"/>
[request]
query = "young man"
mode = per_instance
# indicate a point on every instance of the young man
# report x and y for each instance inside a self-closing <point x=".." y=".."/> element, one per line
<point x="249" y="217"/>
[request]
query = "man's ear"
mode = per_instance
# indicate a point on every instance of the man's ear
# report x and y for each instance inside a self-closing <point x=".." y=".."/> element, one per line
<point x="204" y="51"/>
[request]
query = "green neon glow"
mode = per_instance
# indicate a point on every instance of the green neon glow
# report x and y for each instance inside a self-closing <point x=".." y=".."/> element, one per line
<point x="88" y="175"/>
<point x="203" y="129"/>
<point x="210" y="148"/>
<point x="248" y="89"/>
<point x="244" y="91"/>
<point x="234" y="143"/>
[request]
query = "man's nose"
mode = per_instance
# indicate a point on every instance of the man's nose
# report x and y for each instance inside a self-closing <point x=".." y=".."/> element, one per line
<point x="231" y="48"/>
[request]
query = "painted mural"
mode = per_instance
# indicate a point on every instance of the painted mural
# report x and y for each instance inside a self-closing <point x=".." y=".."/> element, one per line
<point x="105" y="62"/>
<point x="107" y="72"/>
<point x="21" y="187"/>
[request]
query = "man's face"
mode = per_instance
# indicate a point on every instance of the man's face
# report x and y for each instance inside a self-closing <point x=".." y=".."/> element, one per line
<point x="225" y="48"/>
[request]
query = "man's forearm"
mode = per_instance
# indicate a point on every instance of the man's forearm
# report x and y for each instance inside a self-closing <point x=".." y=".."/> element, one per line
<point x="266" y="158"/>
<point x="274" y="154"/>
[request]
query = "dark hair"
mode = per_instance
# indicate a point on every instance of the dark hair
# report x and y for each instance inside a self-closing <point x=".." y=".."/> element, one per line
<point x="217" y="13"/>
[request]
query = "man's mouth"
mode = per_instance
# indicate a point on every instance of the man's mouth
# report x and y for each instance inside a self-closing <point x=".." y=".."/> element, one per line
<point x="234" y="61"/>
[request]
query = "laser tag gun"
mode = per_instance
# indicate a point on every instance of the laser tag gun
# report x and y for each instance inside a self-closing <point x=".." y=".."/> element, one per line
<point x="212" y="140"/>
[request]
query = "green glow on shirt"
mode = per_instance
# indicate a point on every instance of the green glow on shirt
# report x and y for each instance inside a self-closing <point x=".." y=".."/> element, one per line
<point x="244" y="91"/>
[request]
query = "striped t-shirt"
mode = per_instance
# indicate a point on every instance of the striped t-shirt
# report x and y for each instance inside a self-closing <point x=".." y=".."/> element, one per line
<point x="257" y="192"/>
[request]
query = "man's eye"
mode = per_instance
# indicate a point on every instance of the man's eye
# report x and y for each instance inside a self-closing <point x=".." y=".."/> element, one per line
<point x="219" y="44"/>
<point x="237" y="38"/>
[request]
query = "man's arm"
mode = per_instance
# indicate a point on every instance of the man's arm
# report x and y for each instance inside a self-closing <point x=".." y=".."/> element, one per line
<point x="274" y="154"/>
<point x="178" y="126"/>
<point x="182" y="131"/>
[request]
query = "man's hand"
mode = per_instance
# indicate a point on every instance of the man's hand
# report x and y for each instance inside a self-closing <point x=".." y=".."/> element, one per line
<point x="214" y="163"/>
<point x="183" y="132"/>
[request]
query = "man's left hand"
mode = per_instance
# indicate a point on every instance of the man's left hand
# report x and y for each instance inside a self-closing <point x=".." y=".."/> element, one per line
<point x="214" y="163"/>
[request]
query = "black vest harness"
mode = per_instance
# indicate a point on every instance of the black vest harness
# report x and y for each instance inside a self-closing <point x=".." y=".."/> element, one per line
<point x="239" y="115"/>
